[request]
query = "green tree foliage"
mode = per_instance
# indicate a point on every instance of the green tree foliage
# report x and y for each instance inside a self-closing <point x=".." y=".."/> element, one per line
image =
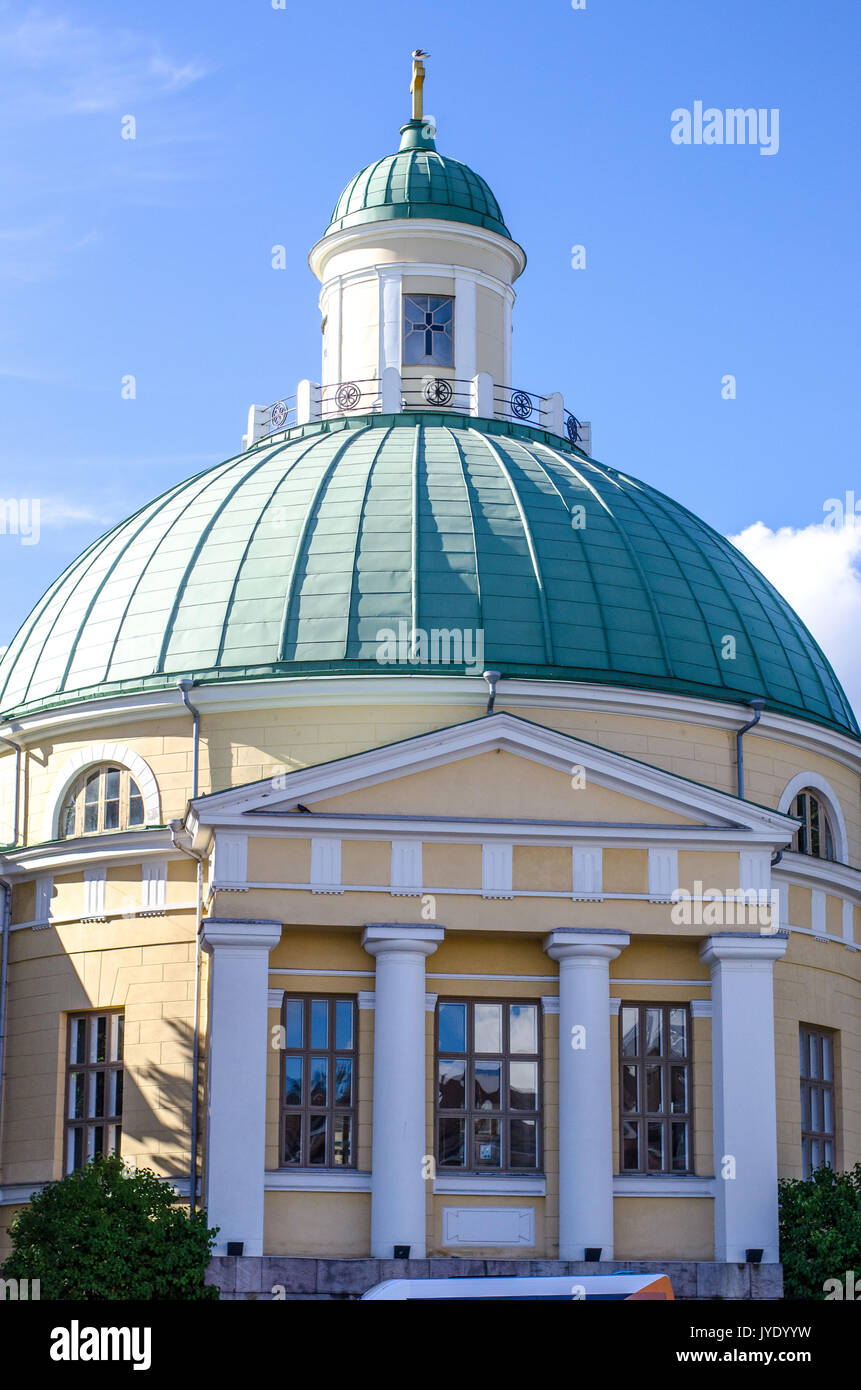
<point x="820" y="1230"/>
<point x="105" y="1232"/>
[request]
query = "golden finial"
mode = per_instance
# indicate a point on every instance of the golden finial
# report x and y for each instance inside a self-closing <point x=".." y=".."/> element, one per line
<point x="418" y="82"/>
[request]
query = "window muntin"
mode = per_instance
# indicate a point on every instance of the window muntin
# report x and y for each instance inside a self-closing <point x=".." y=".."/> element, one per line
<point x="94" y="1086"/>
<point x="101" y="799"/>
<point x="816" y="1057"/>
<point x="428" y="330"/>
<point x="319" y="1081"/>
<point x="487" y="1068"/>
<point x="655" y="1088"/>
<point x="815" y="835"/>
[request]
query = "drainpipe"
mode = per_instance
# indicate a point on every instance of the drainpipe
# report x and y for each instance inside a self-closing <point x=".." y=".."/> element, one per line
<point x="184" y="686"/>
<point x="175" y="826"/>
<point x="492" y="678"/>
<point x="757" y="705"/>
<point x="6" y="888"/>
<point x="15" y="814"/>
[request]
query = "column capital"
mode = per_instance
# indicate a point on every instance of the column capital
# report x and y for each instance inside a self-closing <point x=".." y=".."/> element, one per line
<point x="748" y="948"/>
<point x="254" y="933"/>
<point x="585" y="943"/>
<point x="406" y="937"/>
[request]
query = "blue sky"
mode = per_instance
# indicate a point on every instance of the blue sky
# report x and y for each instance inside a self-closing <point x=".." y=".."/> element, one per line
<point x="153" y="256"/>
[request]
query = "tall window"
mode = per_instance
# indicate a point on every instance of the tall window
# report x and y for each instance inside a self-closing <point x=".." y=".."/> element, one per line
<point x="814" y="835"/>
<point x="103" y="798"/>
<point x="488" y="1085"/>
<point x="816" y="1048"/>
<point x="318" y="1082"/>
<point x="428" y="330"/>
<point x="94" y="1087"/>
<point x="654" y="1088"/>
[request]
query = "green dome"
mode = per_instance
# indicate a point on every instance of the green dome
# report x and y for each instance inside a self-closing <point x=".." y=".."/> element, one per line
<point x="291" y="558"/>
<point x="417" y="182"/>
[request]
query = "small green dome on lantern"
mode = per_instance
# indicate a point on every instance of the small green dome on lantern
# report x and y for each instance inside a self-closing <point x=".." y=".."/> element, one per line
<point x="417" y="182"/>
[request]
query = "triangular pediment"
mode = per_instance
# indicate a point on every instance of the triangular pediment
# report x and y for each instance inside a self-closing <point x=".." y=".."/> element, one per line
<point x="499" y="767"/>
<point x="502" y="782"/>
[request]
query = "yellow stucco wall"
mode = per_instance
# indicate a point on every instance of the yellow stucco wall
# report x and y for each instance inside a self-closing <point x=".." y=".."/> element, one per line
<point x="664" y="1228"/>
<point x="317" y="1223"/>
<point x="146" y="965"/>
<point x="242" y="746"/>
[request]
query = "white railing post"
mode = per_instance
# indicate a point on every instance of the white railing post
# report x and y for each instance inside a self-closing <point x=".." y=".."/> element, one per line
<point x="481" y="395"/>
<point x="256" y="425"/>
<point x="391" y="391"/>
<point x="307" y="402"/>
<point x="553" y="415"/>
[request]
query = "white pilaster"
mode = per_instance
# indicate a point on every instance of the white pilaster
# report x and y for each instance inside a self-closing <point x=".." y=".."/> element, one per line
<point x="587" y="873"/>
<point x="507" y="306"/>
<point x="465" y="327"/>
<point x="332" y="298"/>
<point x="307" y="402"/>
<point x="390" y="320"/>
<point x="236" y="1105"/>
<point x="257" y="422"/>
<point x="391" y="391"/>
<point x="553" y="417"/>
<point x="94" y="891"/>
<point x="153" y="885"/>
<point x="481" y="393"/>
<point x="745" y="1109"/>
<point x="399" y="1133"/>
<point x="585" y="1112"/>
<point x="663" y="874"/>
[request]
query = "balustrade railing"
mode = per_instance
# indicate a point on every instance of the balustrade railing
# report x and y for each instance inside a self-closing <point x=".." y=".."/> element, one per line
<point x="346" y="397"/>
<point x="392" y="393"/>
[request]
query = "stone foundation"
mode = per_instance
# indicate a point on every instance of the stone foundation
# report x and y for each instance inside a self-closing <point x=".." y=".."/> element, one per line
<point x="255" y="1277"/>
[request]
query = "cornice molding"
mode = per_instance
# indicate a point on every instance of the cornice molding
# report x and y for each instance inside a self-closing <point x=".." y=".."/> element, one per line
<point x="121" y="847"/>
<point x="810" y="872"/>
<point x="412" y="689"/>
<point x="263" y="802"/>
<point x="379" y="233"/>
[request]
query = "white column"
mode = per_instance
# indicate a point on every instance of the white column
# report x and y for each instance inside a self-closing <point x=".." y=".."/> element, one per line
<point x="390" y="320"/>
<point x="585" y="1108"/>
<point x="507" y="306"/>
<point x="465" y="330"/>
<point x="236" y="1102"/>
<point x="400" y="1134"/>
<point x="745" y="1109"/>
<point x="330" y="300"/>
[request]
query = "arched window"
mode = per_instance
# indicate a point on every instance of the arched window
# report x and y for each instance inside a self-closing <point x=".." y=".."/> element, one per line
<point x="815" y="835"/>
<point x="99" y="800"/>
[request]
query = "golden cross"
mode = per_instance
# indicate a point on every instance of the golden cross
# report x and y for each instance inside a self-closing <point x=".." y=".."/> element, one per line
<point x="418" y="82"/>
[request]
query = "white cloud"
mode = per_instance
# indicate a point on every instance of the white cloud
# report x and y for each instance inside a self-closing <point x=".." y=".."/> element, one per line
<point x="57" y="67"/>
<point x="817" y="569"/>
<point x="58" y="512"/>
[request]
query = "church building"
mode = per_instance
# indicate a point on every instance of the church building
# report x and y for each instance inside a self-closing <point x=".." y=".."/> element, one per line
<point x="423" y="842"/>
